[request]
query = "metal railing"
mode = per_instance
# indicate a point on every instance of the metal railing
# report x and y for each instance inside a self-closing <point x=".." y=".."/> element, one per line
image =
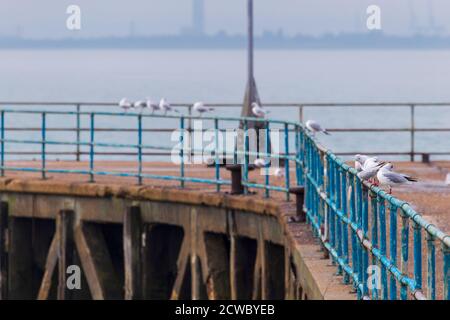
<point x="346" y="215"/>
<point x="301" y="108"/>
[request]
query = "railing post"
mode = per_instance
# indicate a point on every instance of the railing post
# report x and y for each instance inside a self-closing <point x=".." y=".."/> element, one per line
<point x="413" y="129"/>
<point x="382" y="219"/>
<point x="417" y="256"/>
<point x="286" y="160"/>
<point x="393" y="248"/>
<point x="2" y="158"/>
<point x="140" y="149"/>
<point x="267" y="151"/>
<point x="216" y="153"/>
<point x="182" y="151"/>
<point x="43" y="155"/>
<point x="431" y="269"/>
<point x="78" y="155"/>
<point x="246" y="157"/>
<point x="405" y="249"/>
<point x="446" y="258"/>
<point x="189" y="129"/>
<point x="91" y="152"/>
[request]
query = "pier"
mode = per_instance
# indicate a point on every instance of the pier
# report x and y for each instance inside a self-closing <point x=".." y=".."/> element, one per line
<point x="146" y="228"/>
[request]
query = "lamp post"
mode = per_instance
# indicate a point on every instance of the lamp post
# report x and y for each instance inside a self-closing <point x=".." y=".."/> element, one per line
<point x="251" y="94"/>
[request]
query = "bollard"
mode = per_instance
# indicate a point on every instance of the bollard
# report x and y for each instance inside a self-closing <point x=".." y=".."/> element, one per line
<point x="236" y="177"/>
<point x="300" y="200"/>
<point x="426" y="158"/>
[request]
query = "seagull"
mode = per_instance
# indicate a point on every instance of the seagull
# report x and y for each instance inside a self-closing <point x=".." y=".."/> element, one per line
<point x="201" y="108"/>
<point x="139" y="104"/>
<point x="370" y="168"/>
<point x="149" y="104"/>
<point x="278" y="173"/>
<point x="447" y="179"/>
<point x="360" y="159"/>
<point x="261" y="163"/>
<point x="314" y="127"/>
<point x="387" y="177"/>
<point x="164" y="105"/>
<point x="258" y="110"/>
<point x="125" y="104"/>
<point x="370" y="172"/>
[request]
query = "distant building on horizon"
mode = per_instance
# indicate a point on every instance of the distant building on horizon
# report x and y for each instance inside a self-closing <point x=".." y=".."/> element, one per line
<point x="197" y="27"/>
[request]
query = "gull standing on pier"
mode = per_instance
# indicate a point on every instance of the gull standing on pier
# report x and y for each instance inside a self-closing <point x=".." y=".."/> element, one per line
<point x="314" y="127"/>
<point x="201" y="108"/>
<point x="259" y="111"/>
<point x="125" y="104"/>
<point x="261" y="163"/>
<point x="389" y="178"/>
<point x="165" y="106"/>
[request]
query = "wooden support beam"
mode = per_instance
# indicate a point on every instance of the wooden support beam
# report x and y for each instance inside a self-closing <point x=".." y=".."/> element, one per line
<point x="132" y="243"/>
<point x="256" y="294"/>
<point x="197" y="287"/>
<point x="216" y="255"/>
<point x="64" y="229"/>
<point x="96" y="262"/>
<point x="3" y="250"/>
<point x="50" y="266"/>
<point x="20" y="266"/>
<point x="182" y="265"/>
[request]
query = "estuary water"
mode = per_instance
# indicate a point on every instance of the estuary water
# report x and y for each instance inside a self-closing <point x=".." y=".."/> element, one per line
<point x="220" y="76"/>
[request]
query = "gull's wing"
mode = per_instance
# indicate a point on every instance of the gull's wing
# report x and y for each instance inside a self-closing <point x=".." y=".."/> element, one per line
<point x="395" y="177"/>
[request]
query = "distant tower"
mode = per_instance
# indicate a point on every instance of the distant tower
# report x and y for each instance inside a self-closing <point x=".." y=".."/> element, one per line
<point x="198" y="17"/>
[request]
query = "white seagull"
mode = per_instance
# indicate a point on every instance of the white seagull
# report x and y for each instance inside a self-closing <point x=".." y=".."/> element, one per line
<point x="139" y="104"/>
<point x="279" y="173"/>
<point x="389" y="178"/>
<point x="201" y="108"/>
<point x="371" y="171"/>
<point x="261" y="163"/>
<point x="258" y="110"/>
<point x="125" y="104"/>
<point x="360" y="159"/>
<point x="150" y="105"/>
<point x="165" y="106"/>
<point x="314" y="127"/>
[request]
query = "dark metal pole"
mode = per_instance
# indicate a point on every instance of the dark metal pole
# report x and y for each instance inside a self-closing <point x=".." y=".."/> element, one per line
<point x="250" y="51"/>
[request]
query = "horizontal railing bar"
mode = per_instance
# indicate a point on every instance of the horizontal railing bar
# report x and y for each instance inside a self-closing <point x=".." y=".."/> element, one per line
<point x="270" y="104"/>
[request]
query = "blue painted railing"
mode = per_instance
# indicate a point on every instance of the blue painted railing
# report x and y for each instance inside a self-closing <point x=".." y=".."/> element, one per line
<point x="354" y="221"/>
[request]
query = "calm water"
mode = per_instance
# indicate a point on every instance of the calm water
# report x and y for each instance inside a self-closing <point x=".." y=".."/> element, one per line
<point x="219" y="76"/>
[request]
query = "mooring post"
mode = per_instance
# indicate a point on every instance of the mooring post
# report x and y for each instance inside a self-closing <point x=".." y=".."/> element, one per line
<point x="3" y="251"/>
<point x="64" y="225"/>
<point x="236" y="178"/>
<point x="300" y="200"/>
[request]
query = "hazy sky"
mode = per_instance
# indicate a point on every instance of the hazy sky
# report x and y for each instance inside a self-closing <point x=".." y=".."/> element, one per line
<point x="46" y="18"/>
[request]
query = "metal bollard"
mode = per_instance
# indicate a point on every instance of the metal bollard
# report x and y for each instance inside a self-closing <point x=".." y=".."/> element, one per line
<point x="300" y="200"/>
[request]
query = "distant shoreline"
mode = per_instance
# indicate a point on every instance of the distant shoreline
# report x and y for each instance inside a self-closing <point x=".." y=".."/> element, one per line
<point x="372" y="41"/>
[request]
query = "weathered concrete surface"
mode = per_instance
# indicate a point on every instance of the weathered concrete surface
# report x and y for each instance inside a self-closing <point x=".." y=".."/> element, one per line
<point x="107" y="202"/>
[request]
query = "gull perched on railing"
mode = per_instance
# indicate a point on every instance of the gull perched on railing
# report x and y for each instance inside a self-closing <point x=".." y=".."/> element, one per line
<point x="140" y="104"/>
<point x="259" y="111"/>
<point x="125" y="104"/>
<point x="150" y="105"/>
<point x="370" y="168"/>
<point x="389" y="178"/>
<point x="314" y="127"/>
<point x="165" y="106"/>
<point x="201" y="108"/>
<point x="360" y="159"/>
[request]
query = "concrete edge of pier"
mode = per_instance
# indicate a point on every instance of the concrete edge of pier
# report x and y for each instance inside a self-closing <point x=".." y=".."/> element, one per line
<point x="315" y="273"/>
